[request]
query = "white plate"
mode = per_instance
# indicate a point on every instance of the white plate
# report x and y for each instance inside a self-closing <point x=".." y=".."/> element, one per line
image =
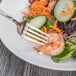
<point x="23" y="48"/>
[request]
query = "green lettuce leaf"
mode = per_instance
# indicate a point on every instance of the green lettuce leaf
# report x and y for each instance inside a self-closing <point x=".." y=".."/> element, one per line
<point x="49" y="22"/>
<point x="71" y="41"/>
<point x="67" y="53"/>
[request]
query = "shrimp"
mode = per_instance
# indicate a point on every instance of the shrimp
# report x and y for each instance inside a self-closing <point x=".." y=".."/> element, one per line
<point x="44" y="0"/>
<point x="51" y="4"/>
<point x="55" y="45"/>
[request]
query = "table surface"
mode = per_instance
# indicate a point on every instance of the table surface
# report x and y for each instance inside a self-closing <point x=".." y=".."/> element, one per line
<point x="11" y="65"/>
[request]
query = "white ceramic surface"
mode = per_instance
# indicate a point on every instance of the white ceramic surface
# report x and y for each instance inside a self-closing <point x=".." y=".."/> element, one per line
<point x="23" y="48"/>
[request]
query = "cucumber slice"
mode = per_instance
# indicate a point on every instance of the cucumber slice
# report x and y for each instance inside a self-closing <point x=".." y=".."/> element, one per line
<point x="61" y="7"/>
<point x="38" y="21"/>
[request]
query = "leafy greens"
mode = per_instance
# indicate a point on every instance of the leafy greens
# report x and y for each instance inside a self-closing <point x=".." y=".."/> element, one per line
<point x="67" y="53"/>
<point x="49" y="22"/>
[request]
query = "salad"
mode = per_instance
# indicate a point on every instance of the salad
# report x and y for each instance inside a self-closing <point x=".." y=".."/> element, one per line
<point x="58" y="19"/>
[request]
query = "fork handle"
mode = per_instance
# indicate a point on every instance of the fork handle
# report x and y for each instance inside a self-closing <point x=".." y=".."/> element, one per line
<point x="9" y="17"/>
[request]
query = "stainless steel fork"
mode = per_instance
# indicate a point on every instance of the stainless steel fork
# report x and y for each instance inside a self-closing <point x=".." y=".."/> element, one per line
<point x="24" y="30"/>
<point x="20" y="25"/>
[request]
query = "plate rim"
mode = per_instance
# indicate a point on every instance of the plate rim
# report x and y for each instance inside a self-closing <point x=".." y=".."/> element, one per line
<point x="35" y="64"/>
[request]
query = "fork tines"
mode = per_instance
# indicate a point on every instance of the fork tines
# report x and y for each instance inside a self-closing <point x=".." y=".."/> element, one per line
<point x="31" y="31"/>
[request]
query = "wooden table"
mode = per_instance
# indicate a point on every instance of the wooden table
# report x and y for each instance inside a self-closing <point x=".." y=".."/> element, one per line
<point x="11" y="65"/>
